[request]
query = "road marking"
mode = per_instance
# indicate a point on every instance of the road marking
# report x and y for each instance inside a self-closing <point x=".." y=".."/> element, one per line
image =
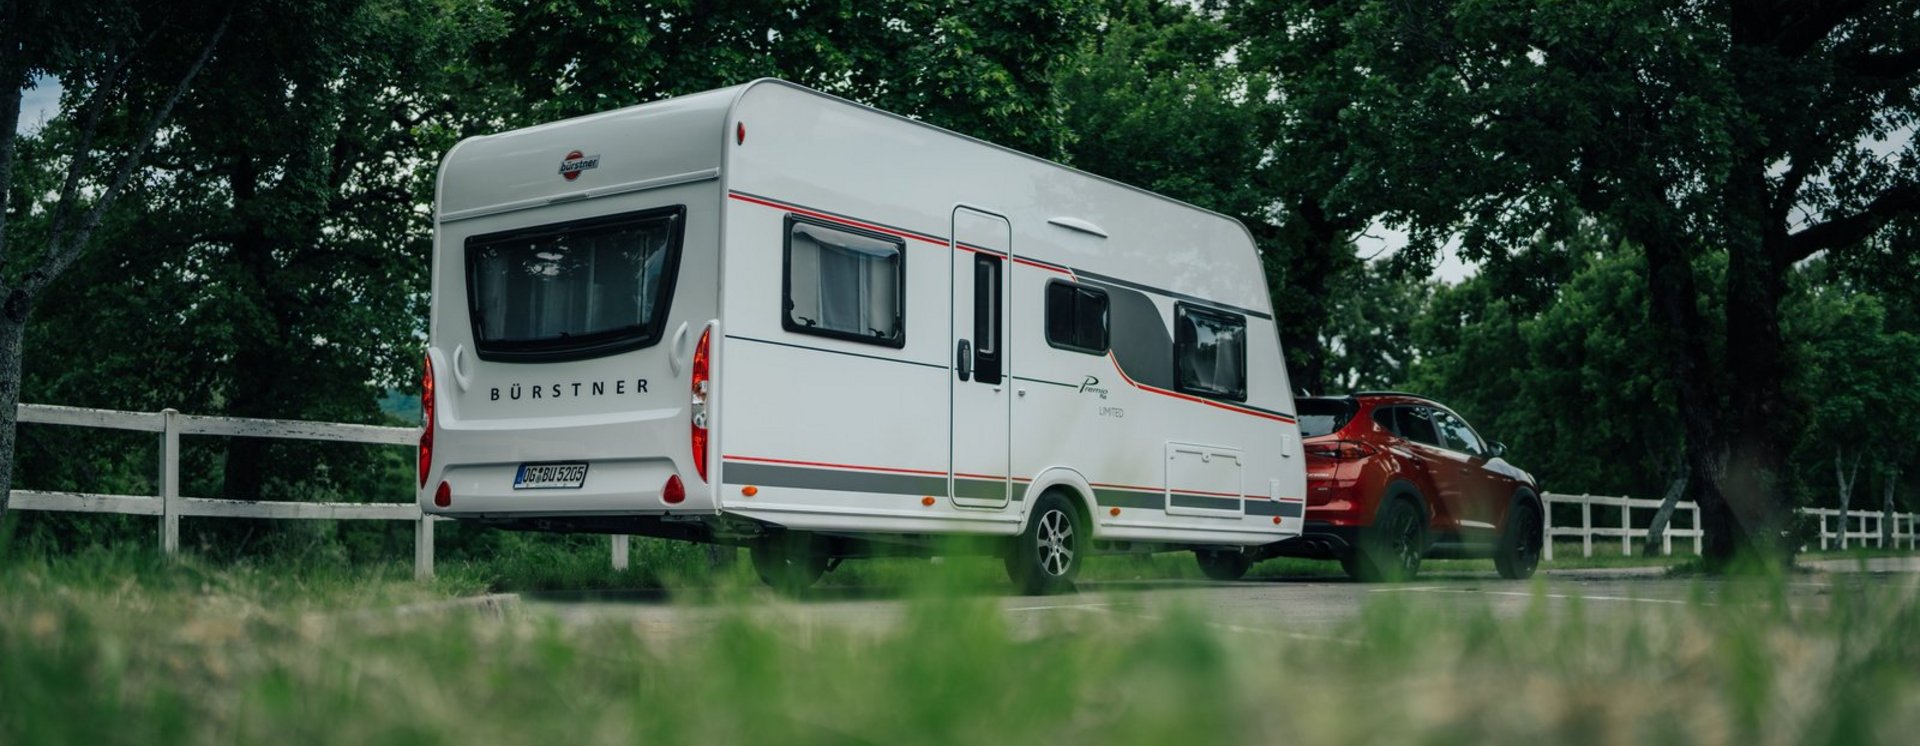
<point x="1057" y="606"/>
<point x="1223" y="626"/>
<point x="1439" y="589"/>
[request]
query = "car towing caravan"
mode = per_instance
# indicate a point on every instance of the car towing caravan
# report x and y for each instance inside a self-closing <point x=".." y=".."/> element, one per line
<point x="765" y="316"/>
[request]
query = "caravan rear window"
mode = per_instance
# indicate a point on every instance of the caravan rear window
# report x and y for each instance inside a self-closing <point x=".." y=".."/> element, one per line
<point x="573" y="290"/>
<point x="844" y="283"/>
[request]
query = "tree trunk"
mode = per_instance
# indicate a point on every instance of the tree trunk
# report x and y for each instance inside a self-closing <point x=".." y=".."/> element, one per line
<point x="11" y="336"/>
<point x="1846" y="479"/>
<point x="1679" y="330"/>
<point x="1886" y="508"/>
<point x="1756" y="361"/>
<point x="1313" y="261"/>
<point x="1657" y="531"/>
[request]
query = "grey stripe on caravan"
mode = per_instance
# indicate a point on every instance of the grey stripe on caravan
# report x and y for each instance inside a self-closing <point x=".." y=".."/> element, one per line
<point x="984" y="489"/>
<point x="1276" y="507"/>
<point x="657" y="182"/>
<point x="838" y="480"/>
<point x="1183" y="500"/>
<point x="1129" y="499"/>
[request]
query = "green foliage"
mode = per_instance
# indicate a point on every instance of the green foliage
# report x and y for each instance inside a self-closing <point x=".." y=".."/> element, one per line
<point x="187" y="653"/>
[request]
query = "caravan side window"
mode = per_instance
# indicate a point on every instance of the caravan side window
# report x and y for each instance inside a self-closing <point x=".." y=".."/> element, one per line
<point x="1077" y="317"/>
<point x="844" y="283"/>
<point x="1210" y="352"/>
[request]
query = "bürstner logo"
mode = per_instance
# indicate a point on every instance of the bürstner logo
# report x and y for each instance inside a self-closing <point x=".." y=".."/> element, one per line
<point x="575" y="162"/>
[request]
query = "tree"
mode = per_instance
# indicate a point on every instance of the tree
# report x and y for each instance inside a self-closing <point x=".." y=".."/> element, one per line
<point x="1692" y="128"/>
<point x="1856" y="377"/>
<point x="122" y="77"/>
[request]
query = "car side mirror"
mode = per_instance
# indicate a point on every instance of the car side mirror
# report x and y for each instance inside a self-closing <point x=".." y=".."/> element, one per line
<point x="1496" y="449"/>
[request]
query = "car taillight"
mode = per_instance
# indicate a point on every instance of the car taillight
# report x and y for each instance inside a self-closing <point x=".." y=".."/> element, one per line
<point x="426" y="414"/>
<point x="700" y="388"/>
<point x="1344" y="450"/>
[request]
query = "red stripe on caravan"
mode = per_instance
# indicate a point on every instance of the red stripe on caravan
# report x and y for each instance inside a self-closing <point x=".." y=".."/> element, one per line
<point x="1178" y="395"/>
<point x="927" y="238"/>
<point x="823" y="464"/>
<point x="831" y="218"/>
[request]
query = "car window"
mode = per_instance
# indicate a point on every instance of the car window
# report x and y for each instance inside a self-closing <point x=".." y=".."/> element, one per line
<point x="1321" y="416"/>
<point x="1383" y="416"/>
<point x="1456" y="434"/>
<point x="1416" y="424"/>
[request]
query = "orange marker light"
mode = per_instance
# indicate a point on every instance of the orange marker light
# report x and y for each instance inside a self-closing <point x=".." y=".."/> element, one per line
<point x="1114" y="512"/>
<point x="749" y="490"/>
<point x="927" y="501"/>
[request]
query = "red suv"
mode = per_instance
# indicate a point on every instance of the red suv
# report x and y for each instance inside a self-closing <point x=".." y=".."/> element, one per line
<point x="1393" y="478"/>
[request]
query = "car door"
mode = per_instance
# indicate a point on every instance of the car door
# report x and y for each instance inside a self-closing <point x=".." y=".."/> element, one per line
<point x="1484" y="492"/>
<point x="1417" y="425"/>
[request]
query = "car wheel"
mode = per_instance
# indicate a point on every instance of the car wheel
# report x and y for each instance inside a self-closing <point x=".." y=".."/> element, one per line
<point x="1392" y="548"/>
<point x="790" y="561"/>
<point x="1048" y="553"/>
<point x="1519" y="551"/>
<point x="1223" y="564"/>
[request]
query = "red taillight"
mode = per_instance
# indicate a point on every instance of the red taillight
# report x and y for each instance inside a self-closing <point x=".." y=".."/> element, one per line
<point x="443" y="497"/>
<point x="675" y="492"/>
<point x="1344" y="450"/>
<point x="426" y="416"/>
<point x="700" y="391"/>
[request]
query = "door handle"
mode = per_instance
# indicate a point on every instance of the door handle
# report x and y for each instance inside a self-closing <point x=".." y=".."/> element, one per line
<point x="963" y="360"/>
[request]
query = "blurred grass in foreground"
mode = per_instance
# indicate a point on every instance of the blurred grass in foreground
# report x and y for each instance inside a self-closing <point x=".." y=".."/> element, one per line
<point x="108" y="647"/>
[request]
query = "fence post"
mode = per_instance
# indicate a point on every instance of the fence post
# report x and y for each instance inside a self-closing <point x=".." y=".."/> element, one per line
<point x="1666" y="539"/>
<point x="1823" y="530"/>
<point x="1697" y="531"/>
<point x="620" y="547"/>
<point x="1546" y="528"/>
<point x="169" y="481"/>
<point x="423" y="547"/>
<point x="1626" y="527"/>
<point x="1586" y="524"/>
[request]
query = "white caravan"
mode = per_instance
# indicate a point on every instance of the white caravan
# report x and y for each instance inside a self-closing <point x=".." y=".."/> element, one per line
<point x="770" y="317"/>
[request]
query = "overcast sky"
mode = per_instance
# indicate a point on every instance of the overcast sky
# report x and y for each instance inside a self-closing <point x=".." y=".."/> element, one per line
<point x="39" y="104"/>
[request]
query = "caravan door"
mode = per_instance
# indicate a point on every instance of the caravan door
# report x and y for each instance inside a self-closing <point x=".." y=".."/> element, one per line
<point x="978" y="389"/>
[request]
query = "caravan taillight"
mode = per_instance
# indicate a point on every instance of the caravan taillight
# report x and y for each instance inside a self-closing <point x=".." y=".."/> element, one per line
<point x="700" y="389"/>
<point x="426" y="415"/>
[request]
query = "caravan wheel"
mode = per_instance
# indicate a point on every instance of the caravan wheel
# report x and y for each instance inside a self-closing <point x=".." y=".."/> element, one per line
<point x="790" y="561"/>
<point x="1047" y="555"/>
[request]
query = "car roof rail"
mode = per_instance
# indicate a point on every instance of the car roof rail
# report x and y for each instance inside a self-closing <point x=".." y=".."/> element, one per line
<point x="1392" y="393"/>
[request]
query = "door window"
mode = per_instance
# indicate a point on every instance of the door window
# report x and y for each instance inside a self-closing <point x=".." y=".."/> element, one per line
<point x="1456" y="434"/>
<point x="986" y="319"/>
<point x="1416" y="424"/>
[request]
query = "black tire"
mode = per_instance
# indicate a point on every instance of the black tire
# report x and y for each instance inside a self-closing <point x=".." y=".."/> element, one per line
<point x="1223" y="564"/>
<point x="1049" y="551"/>
<point x="1519" y="551"/>
<point x="1391" y="549"/>
<point x="789" y="561"/>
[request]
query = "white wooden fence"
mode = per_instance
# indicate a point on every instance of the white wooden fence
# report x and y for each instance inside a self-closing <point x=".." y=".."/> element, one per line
<point x="1586" y="531"/>
<point x="1862" y="529"/>
<point x="170" y="505"/>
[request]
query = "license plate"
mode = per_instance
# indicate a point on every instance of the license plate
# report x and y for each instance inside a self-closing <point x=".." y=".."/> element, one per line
<point x="550" y="476"/>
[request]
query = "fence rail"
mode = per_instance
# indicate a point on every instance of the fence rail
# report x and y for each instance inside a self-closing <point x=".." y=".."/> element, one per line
<point x="170" y="505"/>
<point x="1867" y="532"/>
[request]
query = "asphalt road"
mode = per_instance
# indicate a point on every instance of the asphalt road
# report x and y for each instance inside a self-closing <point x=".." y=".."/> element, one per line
<point x="1304" y="608"/>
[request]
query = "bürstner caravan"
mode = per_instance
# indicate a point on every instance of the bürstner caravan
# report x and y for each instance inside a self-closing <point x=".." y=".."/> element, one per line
<point x="769" y="317"/>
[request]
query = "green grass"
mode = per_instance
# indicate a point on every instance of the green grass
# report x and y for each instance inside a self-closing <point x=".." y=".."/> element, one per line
<point x="121" y="647"/>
